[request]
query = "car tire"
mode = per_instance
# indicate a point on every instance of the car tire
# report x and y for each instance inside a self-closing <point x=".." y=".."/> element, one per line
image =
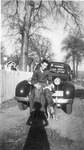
<point x="69" y="108"/>
<point x="22" y="106"/>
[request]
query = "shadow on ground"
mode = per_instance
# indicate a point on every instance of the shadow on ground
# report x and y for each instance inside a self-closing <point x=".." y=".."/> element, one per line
<point x="79" y="93"/>
<point x="37" y="136"/>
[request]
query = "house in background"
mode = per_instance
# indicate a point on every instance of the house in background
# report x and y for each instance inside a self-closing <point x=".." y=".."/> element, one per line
<point x="10" y="63"/>
<point x="7" y="63"/>
<point x="10" y="66"/>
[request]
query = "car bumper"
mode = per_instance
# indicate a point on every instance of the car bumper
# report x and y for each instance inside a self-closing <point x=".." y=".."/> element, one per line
<point x="21" y="99"/>
<point x="56" y="100"/>
<point x="62" y="100"/>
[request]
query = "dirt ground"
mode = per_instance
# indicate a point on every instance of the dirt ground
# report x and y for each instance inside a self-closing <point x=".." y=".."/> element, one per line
<point x="66" y="133"/>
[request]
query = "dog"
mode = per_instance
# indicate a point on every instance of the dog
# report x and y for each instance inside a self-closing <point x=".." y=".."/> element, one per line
<point x="51" y="112"/>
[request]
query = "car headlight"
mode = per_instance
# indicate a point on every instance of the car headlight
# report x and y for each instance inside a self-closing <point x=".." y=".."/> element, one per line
<point x="57" y="81"/>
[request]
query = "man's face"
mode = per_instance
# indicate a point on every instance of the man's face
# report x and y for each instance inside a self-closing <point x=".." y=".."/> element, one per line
<point x="44" y="65"/>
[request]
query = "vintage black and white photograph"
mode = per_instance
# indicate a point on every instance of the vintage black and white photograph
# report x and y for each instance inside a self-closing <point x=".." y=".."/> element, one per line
<point x="42" y="75"/>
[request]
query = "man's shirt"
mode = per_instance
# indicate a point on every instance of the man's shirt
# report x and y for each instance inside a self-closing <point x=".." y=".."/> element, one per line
<point x="41" y="77"/>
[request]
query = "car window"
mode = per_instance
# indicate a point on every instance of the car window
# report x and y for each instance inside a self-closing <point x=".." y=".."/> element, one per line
<point x="57" y="69"/>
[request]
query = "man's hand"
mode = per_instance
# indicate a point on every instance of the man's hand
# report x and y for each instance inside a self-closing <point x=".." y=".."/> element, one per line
<point x="29" y="80"/>
<point x="51" y="86"/>
<point x="37" y="85"/>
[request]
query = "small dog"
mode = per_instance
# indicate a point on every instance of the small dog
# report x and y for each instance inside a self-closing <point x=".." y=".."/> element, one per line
<point x="51" y="112"/>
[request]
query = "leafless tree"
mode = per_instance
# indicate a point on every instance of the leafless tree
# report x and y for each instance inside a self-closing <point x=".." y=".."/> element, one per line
<point x="74" y="46"/>
<point x="42" y="47"/>
<point x="25" y="18"/>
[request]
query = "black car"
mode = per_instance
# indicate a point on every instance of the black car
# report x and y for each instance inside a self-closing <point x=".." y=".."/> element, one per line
<point x="64" y="89"/>
<point x="62" y="93"/>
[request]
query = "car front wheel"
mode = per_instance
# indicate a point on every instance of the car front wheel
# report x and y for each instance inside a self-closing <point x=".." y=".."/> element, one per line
<point x="67" y="108"/>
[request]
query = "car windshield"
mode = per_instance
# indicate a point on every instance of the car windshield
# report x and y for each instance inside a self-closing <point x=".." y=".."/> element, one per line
<point x="57" y="69"/>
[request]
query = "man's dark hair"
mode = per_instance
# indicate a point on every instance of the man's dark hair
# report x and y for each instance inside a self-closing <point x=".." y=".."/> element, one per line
<point x="46" y="61"/>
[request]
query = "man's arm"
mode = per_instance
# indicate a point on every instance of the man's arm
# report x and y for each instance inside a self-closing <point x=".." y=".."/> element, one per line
<point x="49" y="78"/>
<point x="50" y="81"/>
<point x="34" y="78"/>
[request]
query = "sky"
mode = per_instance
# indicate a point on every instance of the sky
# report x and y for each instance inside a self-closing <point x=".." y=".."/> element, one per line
<point x="56" y="34"/>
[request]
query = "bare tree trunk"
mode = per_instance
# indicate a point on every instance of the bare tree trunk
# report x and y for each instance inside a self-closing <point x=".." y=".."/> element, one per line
<point x="25" y="36"/>
<point x="76" y="68"/>
<point x="73" y="66"/>
<point x="0" y="60"/>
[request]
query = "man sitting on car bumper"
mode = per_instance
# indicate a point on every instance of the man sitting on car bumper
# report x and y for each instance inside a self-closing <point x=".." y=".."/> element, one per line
<point x="41" y="79"/>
